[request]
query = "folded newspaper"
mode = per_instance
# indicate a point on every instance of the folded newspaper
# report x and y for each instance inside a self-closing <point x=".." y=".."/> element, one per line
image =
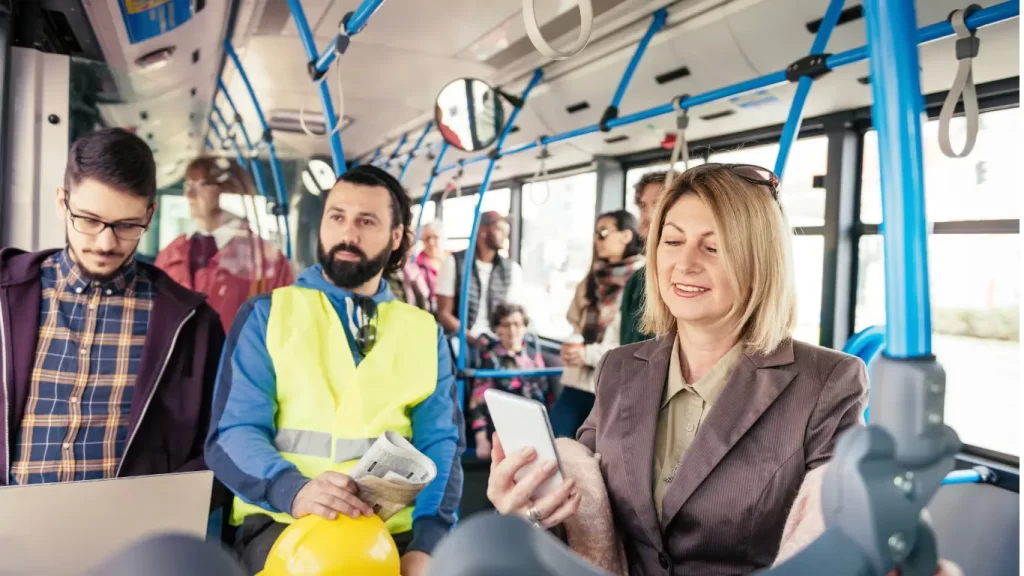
<point x="391" y="474"/>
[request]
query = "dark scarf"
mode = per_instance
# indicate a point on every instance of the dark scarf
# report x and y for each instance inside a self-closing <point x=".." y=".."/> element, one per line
<point x="604" y="283"/>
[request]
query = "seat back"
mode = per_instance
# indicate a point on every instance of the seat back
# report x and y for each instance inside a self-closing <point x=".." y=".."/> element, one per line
<point x="978" y="527"/>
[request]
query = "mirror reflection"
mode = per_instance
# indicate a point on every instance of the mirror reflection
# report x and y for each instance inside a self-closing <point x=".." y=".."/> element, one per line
<point x="469" y="115"/>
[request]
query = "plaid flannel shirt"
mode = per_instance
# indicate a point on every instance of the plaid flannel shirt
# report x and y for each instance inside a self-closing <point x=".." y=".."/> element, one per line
<point x="88" y="352"/>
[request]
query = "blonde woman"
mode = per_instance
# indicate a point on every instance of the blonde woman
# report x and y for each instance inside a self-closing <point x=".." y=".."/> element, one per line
<point x="706" y="432"/>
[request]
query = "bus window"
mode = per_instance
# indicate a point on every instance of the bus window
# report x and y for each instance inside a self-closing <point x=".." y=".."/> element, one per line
<point x="557" y="247"/>
<point x="975" y="277"/>
<point x="429" y="213"/>
<point x="457" y="214"/>
<point x="804" y="206"/>
<point x="983" y="186"/>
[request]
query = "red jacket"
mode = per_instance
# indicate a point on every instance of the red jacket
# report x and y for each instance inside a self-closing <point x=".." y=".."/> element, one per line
<point x="232" y="275"/>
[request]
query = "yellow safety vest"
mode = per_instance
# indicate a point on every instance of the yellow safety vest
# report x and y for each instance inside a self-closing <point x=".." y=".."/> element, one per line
<point x="329" y="412"/>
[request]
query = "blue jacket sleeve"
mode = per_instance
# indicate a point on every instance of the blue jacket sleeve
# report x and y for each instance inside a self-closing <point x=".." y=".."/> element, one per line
<point x="438" y="431"/>
<point x="240" y="446"/>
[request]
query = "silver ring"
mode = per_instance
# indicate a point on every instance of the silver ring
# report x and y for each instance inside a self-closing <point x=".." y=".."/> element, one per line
<point x="533" y="515"/>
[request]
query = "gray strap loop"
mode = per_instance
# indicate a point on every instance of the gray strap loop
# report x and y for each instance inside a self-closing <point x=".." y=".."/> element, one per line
<point x="967" y="45"/>
<point x="680" y="149"/>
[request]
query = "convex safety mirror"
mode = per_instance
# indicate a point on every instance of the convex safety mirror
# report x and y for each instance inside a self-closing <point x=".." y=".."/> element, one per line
<point x="469" y="114"/>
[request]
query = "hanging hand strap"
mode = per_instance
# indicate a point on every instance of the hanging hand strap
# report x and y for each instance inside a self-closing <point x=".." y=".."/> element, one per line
<point x="967" y="45"/>
<point x="542" y="46"/>
<point x="680" y="149"/>
<point x="540" y="177"/>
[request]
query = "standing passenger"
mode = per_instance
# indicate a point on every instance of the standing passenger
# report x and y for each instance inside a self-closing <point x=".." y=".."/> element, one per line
<point x="289" y="396"/>
<point x="109" y="364"/>
<point x="595" y="314"/>
<point x="645" y="193"/>
<point x="222" y="258"/>
<point x="495" y="280"/>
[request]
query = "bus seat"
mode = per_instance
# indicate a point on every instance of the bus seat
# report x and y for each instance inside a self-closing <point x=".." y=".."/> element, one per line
<point x="866" y="345"/>
<point x="978" y="527"/>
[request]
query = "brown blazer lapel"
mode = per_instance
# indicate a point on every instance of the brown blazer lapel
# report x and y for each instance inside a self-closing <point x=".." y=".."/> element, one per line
<point x="642" y="385"/>
<point x="753" y="387"/>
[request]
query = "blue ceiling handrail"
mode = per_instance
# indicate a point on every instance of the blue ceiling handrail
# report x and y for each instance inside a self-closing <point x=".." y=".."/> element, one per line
<point x="426" y="193"/>
<point x="984" y="17"/>
<point x="412" y="153"/>
<point x="657" y="23"/>
<point x="281" y="209"/>
<point x="792" y="127"/>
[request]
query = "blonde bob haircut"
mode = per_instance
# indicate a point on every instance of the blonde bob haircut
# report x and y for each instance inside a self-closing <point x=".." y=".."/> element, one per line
<point x="755" y="245"/>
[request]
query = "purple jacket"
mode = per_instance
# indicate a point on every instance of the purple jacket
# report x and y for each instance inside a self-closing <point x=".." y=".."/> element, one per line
<point x="170" y="411"/>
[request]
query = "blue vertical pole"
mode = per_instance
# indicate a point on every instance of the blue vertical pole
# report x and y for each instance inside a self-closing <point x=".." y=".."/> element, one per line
<point x="275" y="165"/>
<point x="803" y="87"/>
<point x="471" y="249"/>
<point x="254" y="162"/>
<point x="656" y="25"/>
<point x="426" y="194"/>
<point x="896" y="111"/>
<point x="419" y="142"/>
<point x="401" y="142"/>
<point x="376" y="156"/>
<point x="309" y="45"/>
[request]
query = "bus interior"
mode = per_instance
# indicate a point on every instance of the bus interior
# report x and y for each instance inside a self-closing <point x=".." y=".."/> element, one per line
<point x="300" y="90"/>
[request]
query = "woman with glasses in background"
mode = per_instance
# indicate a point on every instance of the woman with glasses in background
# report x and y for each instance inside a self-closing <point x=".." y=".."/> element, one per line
<point x="706" y="432"/>
<point x="595" y="315"/>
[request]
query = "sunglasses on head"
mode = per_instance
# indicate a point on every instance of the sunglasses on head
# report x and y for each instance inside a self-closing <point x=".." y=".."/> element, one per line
<point x="752" y="173"/>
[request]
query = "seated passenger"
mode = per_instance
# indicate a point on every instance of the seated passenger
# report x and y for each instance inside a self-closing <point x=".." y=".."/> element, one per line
<point x="223" y="258"/>
<point x="495" y="280"/>
<point x="109" y="363"/>
<point x="645" y="194"/>
<point x="595" y="314"/>
<point x="707" y="432"/>
<point x="510" y="352"/>
<point x="290" y="393"/>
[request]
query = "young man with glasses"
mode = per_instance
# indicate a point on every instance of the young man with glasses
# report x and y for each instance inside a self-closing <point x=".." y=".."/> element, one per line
<point x="108" y="364"/>
<point x="313" y="373"/>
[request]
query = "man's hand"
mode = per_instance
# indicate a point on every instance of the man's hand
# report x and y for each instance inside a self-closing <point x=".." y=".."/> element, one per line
<point x="328" y="495"/>
<point x="415" y="563"/>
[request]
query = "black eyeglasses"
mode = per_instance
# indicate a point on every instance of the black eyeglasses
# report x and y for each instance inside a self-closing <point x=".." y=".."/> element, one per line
<point x="751" y="173"/>
<point x="94" y="227"/>
<point x="366" y="335"/>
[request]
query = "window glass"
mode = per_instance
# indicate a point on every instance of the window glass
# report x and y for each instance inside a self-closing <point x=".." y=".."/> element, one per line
<point x="808" y="262"/>
<point x="557" y="247"/>
<point x="429" y="213"/>
<point x="633" y="176"/>
<point x="803" y="204"/>
<point x="975" y="297"/>
<point x="174" y="218"/>
<point x="983" y="186"/>
<point x="458" y="213"/>
<point x="457" y="217"/>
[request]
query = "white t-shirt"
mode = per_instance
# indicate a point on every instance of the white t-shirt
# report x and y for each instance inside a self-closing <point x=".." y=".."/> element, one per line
<point x="447" y="285"/>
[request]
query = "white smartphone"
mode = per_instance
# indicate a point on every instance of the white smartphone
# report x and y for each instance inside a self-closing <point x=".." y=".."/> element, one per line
<point x="523" y="423"/>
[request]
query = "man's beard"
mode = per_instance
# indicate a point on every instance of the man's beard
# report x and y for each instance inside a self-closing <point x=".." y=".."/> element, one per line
<point x="351" y="274"/>
<point x="93" y="274"/>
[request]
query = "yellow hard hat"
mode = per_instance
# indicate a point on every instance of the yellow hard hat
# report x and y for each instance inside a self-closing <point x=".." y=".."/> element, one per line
<point x="315" y="546"/>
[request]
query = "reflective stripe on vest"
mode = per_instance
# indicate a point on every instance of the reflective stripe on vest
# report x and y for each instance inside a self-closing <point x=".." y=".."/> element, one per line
<point x="318" y="444"/>
<point x="330" y="411"/>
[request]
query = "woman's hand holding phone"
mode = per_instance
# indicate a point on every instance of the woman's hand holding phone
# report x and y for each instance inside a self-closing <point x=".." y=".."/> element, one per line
<point x="510" y="497"/>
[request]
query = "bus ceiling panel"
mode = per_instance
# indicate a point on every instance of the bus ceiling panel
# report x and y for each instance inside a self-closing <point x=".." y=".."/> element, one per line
<point x="618" y="27"/>
<point x="441" y="27"/>
<point x="154" y="64"/>
<point x="711" y="57"/>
